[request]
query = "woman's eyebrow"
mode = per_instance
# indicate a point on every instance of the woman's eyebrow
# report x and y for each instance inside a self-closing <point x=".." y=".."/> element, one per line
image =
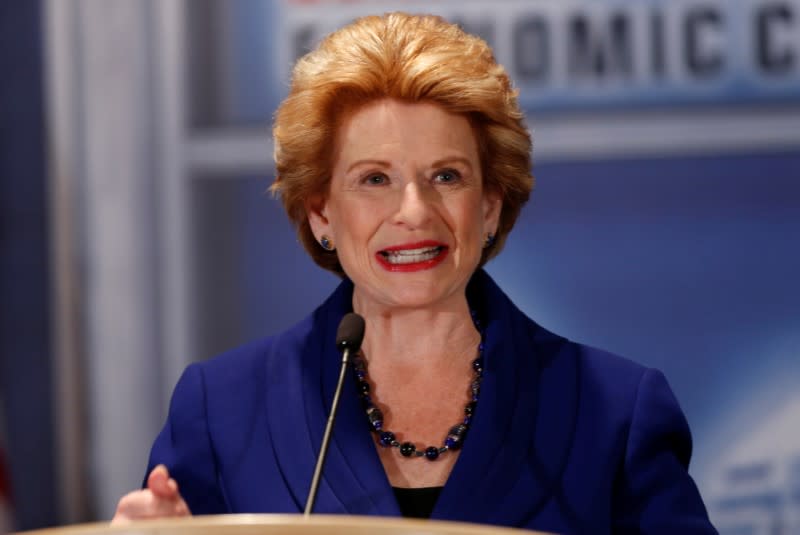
<point x="368" y="161"/>
<point x="452" y="159"/>
<point x="438" y="163"/>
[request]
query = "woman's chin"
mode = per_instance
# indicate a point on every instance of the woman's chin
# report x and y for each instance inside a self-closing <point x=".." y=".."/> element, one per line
<point x="412" y="292"/>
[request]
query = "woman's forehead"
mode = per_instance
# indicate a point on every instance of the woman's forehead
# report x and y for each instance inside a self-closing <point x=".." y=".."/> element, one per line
<point x="385" y="126"/>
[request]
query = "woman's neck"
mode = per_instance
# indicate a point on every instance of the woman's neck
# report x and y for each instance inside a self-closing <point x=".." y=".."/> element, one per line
<point x="432" y="335"/>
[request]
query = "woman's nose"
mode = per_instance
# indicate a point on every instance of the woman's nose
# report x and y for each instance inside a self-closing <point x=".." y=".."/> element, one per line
<point x="415" y="205"/>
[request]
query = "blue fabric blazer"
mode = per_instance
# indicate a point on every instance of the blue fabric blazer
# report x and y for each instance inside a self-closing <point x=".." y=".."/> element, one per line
<point x="565" y="438"/>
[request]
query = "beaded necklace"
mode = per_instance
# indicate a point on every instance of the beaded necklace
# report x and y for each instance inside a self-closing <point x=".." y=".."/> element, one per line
<point x="455" y="436"/>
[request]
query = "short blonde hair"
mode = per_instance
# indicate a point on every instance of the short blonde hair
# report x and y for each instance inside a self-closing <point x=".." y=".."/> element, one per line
<point x="410" y="58"/>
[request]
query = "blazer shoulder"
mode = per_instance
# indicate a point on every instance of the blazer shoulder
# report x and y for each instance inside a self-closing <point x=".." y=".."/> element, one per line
<point x="596" y="368"/>
<point x="602" y="383"/>
<point x="240" y="366"/>
<point x="609" y="370"/>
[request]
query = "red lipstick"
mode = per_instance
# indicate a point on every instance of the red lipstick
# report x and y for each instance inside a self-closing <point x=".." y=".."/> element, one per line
<point x="415" y="256"/>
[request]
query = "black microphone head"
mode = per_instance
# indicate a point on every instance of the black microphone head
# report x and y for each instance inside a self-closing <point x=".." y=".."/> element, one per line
<point x="350" y="332"/>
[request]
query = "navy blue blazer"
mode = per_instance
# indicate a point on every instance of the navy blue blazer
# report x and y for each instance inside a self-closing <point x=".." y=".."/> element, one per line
<point x="565" y="438"/>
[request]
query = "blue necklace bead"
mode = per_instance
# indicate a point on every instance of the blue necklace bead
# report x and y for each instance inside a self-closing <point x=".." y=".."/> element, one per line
<point x="407" y="449"/>
<point x="469" y="410"/>
<point x="455" y="437"/>
<point x="387" y="439"/>
<point x="432" y="453"/>
<point x="375" y="418"/>
<point x="452" y="443"/>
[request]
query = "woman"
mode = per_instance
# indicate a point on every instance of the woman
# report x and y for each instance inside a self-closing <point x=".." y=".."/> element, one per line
<point x="403" y="159"/>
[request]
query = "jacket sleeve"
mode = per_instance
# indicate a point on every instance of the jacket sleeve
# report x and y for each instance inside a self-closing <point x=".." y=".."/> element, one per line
<point x="654" y="493"/>
<point x="184" y="445"/>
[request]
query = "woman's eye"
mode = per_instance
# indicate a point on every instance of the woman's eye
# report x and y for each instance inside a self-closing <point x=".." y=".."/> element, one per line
<point x="375" y="180"/>
<point x="447" y="176"/>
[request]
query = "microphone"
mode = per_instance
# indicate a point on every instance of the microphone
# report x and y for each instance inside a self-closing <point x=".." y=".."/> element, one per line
<point x="348" y="339"/>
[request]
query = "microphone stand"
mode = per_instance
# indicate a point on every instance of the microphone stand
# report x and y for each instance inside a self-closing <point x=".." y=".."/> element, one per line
<point x="312" y="494"/>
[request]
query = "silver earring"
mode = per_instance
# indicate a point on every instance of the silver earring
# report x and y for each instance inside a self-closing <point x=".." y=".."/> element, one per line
<point x="489" y="241"/>
<point x="326" y="243"/>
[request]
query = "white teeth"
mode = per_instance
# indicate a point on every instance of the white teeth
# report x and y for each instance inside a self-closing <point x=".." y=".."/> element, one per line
<point x="411" y="256"/>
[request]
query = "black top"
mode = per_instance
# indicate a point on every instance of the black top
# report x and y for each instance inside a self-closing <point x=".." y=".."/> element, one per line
<point x="418" y="502"/>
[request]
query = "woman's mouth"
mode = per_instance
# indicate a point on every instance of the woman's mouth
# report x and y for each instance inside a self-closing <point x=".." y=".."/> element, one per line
<point x="412" y="257"/>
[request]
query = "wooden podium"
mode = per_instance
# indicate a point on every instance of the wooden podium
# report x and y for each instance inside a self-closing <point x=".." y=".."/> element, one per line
<point x="264" y="524"/>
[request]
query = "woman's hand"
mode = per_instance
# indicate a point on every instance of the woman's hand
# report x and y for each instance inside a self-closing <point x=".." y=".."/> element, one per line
<point x="160" y="499"/>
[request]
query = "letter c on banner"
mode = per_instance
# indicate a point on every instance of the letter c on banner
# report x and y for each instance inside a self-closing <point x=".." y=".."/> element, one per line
<point x="701" y="60"/>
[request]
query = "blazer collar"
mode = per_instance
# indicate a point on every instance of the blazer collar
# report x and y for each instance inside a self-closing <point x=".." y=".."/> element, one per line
<point x="298" y="405"/>
<point x="497" y="478"/>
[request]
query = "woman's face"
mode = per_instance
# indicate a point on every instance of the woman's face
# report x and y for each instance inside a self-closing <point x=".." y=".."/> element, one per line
<point x="406" y="210"/>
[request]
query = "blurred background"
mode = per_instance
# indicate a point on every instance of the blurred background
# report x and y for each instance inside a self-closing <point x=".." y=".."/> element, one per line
<point x="136" y="235"/>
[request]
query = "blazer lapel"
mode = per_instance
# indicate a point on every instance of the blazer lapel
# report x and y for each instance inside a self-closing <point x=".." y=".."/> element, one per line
<point x="521" y="434"/>
<point x="292" y="371"/>
<point x="355" y="473"/>
<point x="353" y="480"/>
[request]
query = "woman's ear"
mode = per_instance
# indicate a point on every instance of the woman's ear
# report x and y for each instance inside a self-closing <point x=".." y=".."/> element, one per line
<point x="316" y="211"/>
<point x="492" y="206"/>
